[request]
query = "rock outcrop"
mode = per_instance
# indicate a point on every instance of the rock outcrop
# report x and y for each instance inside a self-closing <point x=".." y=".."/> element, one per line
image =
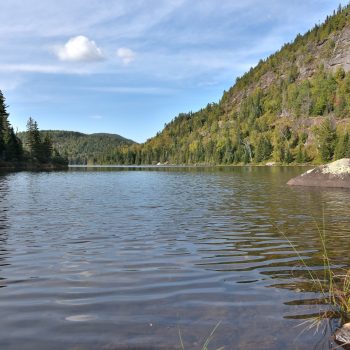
<point x="336" y="174"/>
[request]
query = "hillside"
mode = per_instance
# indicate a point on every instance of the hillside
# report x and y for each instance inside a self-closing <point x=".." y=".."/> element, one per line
<point x="293" y="107"/>
<point x="85" y="148"/>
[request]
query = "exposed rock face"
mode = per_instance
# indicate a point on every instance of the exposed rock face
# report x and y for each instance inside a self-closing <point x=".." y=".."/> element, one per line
<point x="336" y="174"/>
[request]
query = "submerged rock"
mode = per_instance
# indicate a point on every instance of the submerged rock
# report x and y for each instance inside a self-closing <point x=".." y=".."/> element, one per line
<point x="342" y="335"/>
<point x="336" y="174"/>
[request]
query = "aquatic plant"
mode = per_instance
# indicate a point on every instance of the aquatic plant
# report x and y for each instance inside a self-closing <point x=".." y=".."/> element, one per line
<point x="206" y="342"/>
<point x="333" y="285"/>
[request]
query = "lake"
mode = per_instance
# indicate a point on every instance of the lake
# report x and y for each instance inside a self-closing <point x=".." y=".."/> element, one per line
<point x="131" y="258"/>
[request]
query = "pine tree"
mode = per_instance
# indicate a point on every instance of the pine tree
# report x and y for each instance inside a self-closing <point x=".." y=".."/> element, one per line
<point x="46" y="149"/>
<point x="3" y="125"/>
<point x="10" y="146"/>
<point x="33" y="139"/>
<point x="342" y="149"/>
<point x="14" y="149"/>
<point x="327" y="138"/>
<point x="301" y="155"/>
<point x="263" y="149"/>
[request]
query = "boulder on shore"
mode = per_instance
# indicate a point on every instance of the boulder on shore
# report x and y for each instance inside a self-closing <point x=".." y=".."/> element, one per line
<point x="336" y="174"/>
<point x="342" y="336"/>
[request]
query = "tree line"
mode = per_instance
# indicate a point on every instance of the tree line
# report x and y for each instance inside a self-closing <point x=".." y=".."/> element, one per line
<point x="34" y="149"/>
<point x="293" y="107"/>
<point x="290" y="122"/>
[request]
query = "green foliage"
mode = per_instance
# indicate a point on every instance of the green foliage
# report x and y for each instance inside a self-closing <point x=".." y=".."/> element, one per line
<point x="263" y="150"/>
<point x="263" y="115"/>
<point x="301" y="156"/>
<point x="342" y="148"/>
<point x="10" y="146"/>
<point x="80" y="148"/>
<point x="269" y="113"/>
<point x="327" y="138"/>
<point x="40" y="147"/>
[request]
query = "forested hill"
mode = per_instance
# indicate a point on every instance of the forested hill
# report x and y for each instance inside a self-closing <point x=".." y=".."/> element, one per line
<point x="293" y="107"/>
<point x="85" y="148"/>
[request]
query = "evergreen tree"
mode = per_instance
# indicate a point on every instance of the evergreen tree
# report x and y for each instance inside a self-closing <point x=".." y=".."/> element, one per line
<point x="327" y="138"/>
<point x="46" y="149"/>
<point x="3" y="125"/>
<point x="263" y="150"/>
<point x="342" y="149"/>
<point x="289" y="156"/>
<point x="10" y="146"/>
<point x="301" y="155"/>
<point x="34" y="139"/>
<point x="14" y="149"/>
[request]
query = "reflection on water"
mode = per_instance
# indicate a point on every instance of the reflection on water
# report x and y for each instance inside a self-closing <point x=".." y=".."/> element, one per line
<point x="123" y="258"/>
<point x="4" y="225"/>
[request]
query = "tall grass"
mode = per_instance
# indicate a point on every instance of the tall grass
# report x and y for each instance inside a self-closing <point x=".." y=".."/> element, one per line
<point x="206" y="342"/>
<point x="335" y="284"/>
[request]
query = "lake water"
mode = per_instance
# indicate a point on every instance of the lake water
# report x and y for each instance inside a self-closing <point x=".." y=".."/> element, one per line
<point x="125" y="258"/>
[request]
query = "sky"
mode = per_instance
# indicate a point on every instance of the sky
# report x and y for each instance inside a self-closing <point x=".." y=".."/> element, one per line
<point x="130" y="66"/>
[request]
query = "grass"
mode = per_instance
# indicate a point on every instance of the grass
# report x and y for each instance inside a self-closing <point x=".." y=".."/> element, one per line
<point x="206" y="342"/>
<point x="334" y="285"/>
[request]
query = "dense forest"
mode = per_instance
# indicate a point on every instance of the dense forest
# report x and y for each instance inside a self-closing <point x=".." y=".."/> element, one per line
<point x="35" y="151"/>
<point x="293" y="107"/>
<point x="84" y="149"/>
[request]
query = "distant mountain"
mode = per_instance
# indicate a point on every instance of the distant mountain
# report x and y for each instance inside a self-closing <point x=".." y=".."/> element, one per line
<point x="85" y="148"/>
<point x="293" y="107"/>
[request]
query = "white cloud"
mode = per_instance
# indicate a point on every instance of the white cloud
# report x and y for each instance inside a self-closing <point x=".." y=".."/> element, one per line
<point x="126" y="55"/>
<point x="79" y="49"/>
<point x="96" y="116"/>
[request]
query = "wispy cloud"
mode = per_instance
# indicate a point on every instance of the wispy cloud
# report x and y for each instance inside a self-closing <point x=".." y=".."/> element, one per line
<point x="9" y="84"/>
<point x="108" y="51"/>
<point x="79" y="49"/>
<point x="144" y="90"/>
<point x="41" y="68"/>
<point x="96" y="117"/>
<point x="126" y="55"/>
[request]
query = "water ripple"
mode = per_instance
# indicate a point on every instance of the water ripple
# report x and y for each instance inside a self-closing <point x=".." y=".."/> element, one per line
<point x="123" y="259"/>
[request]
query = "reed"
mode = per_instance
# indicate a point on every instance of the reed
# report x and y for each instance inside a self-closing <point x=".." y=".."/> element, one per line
<point x="207" y="340"/>
<point x="334" y="285"/>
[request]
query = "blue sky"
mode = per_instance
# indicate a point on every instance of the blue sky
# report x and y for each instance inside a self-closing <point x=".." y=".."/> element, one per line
<point x="128" y="67"/>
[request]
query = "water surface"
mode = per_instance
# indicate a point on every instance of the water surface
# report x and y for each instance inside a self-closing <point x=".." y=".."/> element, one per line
<point x="125" y="258"/>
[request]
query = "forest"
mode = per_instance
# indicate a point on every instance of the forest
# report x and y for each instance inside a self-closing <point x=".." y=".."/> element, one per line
<point x="293" y="107"/>
<point x="35" y="151"/>
<point x="82" y="148"/>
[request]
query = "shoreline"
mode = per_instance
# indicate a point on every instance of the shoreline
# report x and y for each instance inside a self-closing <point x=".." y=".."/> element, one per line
<point x="31" y="167"/>
<point x="167" y="166"/>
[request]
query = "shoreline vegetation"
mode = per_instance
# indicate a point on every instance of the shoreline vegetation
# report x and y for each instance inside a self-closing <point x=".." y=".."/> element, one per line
<point x="332" y="285"/>
<point x="160" y="166"/>
<point x="35" y="153"/>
